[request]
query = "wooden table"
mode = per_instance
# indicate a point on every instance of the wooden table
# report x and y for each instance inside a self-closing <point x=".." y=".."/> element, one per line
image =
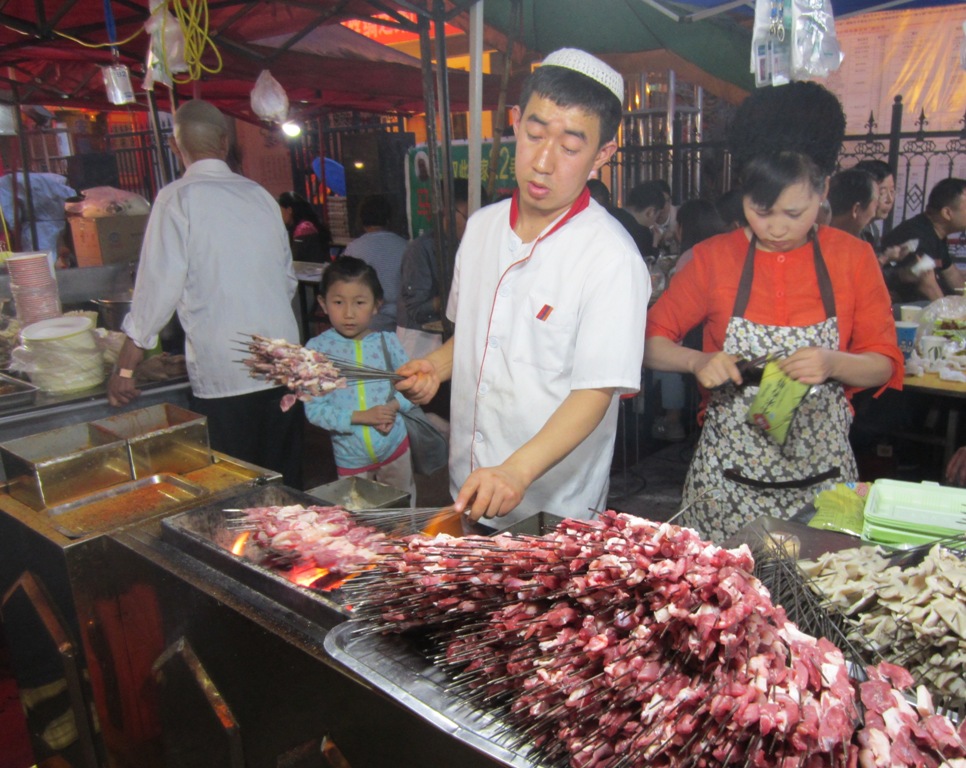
<point x="930" y="384"/>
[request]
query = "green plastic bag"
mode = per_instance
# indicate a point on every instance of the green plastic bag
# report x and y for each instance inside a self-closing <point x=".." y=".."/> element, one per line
<point x="776" y="402"/>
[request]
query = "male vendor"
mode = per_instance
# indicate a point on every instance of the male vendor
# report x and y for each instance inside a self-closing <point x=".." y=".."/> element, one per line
<point x="548" y="299"/>
<point x="216" y="250"/>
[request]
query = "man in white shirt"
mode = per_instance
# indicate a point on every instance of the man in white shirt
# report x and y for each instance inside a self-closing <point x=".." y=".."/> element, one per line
<point x="216" y="251"/>
<point x="548" y="300"/>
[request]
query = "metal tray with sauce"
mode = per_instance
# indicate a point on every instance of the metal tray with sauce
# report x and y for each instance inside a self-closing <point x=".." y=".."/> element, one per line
<point x="129" y="502"/>
<point x="15" y="393"/>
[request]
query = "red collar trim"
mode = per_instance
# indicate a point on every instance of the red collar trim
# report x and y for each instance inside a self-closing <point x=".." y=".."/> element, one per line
<point x="582" y="201"/>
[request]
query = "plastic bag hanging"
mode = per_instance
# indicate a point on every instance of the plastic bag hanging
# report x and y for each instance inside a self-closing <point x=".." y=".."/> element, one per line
<point x="815" y="49"/>
<point x="269" y="100"/>
<point x="166" y="53"/>
<point x="771" y="55"/>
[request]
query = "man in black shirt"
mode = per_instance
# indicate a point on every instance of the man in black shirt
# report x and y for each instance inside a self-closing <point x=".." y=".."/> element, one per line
<point x="945" y="214"/>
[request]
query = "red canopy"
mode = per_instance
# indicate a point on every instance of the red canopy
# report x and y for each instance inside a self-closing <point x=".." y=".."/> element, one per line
<point x="48" y="61"/>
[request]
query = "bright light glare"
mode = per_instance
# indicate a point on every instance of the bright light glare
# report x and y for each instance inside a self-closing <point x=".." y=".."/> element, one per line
<point x="291" y="129"/>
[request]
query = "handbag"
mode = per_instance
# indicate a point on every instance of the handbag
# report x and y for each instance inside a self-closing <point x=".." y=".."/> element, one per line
<point x="427" y="445"/>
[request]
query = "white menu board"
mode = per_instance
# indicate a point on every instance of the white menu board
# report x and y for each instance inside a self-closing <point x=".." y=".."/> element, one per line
<point x="912" y="53"/>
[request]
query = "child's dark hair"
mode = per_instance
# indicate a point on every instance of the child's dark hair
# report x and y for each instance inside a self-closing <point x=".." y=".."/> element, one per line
<point x="782" y="135"/>
<point x="848" y="188"/>
<point x="567" y="88"/>
<point x="348" y="269"/>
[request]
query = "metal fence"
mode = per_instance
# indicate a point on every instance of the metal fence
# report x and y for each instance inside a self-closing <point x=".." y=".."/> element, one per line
<point x="697" y="169"/>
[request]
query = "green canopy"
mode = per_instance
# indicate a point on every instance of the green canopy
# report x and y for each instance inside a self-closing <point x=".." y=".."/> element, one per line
<point x="634" y="35"/>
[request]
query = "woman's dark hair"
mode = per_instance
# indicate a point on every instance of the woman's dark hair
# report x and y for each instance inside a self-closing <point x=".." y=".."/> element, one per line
<point x="765" y="178"/>
<point x="878" y="169"/>
<point x="848" y="188"/>
<point x="698" y="220"/>
<point x="306" y="248"/>
<point x="348" y="269"/>
<point x="567" y="88"/>
<point x="731" y="208"/>
<point x="301" y="208"/>
<point x="786" y="134"/>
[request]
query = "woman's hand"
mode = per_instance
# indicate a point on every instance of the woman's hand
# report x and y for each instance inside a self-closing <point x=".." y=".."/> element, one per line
<point x="809" y="365"/>
<point x="712" y="369"/>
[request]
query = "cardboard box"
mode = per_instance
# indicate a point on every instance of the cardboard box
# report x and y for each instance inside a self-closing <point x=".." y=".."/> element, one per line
<point x="107" y="240"/>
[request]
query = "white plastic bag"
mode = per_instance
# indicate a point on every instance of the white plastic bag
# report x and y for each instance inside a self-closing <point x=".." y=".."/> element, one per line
<point x="166" y="54"/>
<point x="98" y="202"/>
<point x="269" y="100"/>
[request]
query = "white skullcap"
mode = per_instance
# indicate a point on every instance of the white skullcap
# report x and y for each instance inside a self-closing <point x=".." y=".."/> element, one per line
<point x="586" y="64"/>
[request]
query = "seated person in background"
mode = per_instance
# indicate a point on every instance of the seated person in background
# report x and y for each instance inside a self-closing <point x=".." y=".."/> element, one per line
<point x="666" y="226"/>
<point x="852" y="197"/>
<point x="419" y="290"/>
<point x="885" y="181"/>
<point x="945" y="214"/>
<point x="309" y="238"/>
<point x="383" y="250"/>
<point x="65" y="256"/>
<point x="647" y="203"/>
<point x="697" y="220"/>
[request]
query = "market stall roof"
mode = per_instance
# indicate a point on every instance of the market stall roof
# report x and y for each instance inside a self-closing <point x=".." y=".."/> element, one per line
<point x="52" y="50"/>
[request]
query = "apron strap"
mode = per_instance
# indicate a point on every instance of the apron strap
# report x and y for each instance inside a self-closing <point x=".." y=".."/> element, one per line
<point x="748" y="277"/>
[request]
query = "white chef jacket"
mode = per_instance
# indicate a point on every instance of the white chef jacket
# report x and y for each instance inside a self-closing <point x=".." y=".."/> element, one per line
<point x="535" y="321"/>
<point x="215" y="250"/>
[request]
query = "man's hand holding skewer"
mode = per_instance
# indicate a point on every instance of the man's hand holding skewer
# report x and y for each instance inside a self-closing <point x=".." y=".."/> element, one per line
<point x="424" y="375"/>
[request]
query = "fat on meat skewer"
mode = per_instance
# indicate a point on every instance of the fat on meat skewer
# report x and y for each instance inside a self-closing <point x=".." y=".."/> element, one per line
<point x="306" y="372"/>
<point x="619" y="642"/>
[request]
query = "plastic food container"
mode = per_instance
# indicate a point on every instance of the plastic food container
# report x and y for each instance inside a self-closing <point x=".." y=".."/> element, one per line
<point x="900" y="514"/>
<point x="60" y="355"/>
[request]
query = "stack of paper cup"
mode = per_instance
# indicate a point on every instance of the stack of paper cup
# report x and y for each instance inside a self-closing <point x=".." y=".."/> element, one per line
<point x="34" y="287"/>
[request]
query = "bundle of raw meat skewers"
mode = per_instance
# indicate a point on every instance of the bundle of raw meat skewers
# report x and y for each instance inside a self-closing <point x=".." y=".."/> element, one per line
<point x="621" y="642"/>
<point x="304" y="371"/>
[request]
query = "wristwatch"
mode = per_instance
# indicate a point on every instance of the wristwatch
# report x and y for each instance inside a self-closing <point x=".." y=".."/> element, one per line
<point x="125" y="373"/>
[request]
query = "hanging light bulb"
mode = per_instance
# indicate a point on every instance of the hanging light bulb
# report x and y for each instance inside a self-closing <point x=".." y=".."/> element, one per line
<point x="291" y="129"/>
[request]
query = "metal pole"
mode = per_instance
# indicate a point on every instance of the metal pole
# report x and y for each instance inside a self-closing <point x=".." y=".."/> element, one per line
<point x="25" y="168"/>
<point x="475" y="148"/>
<point x="435" y="204"/>
<point x="893" y="159"/>
<point x="158" y="141"/>
<point x="446" y="143"/>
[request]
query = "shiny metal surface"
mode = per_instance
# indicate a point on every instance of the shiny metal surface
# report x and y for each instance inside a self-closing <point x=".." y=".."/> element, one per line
<point x="162" y="438"/>
<point x="18" y="392"/>
<point x="107" y="509"/>
<point x="395" y="667"/>
<point x="204" y="533"/>
<point x="53" y="467"/>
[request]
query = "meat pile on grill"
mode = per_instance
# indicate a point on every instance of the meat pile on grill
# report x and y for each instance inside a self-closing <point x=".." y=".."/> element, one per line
<point x="621" y="642"/>
<point x="306" y="372"/>
<point x="324" y="537"/>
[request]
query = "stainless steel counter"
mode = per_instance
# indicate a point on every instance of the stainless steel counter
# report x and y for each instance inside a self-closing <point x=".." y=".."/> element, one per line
<point x="54" y="411"/>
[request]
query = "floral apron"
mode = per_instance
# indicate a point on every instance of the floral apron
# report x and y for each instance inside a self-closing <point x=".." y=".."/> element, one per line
<point x="738" y="473"/>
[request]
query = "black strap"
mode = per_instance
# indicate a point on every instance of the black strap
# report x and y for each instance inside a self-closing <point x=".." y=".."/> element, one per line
<point x="748" y="277"/>
<point x="805" y="482"/>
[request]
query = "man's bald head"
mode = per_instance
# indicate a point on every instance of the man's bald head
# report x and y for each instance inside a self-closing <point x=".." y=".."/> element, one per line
<point x="201" y="131"/>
